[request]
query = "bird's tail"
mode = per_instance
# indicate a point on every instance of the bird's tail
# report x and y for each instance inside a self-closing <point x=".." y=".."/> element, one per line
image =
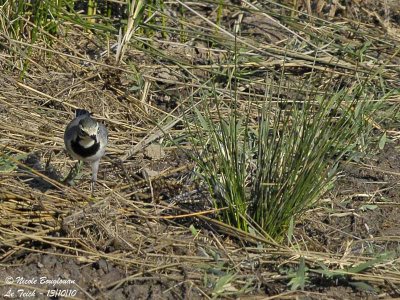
<point x="80" y="112"/>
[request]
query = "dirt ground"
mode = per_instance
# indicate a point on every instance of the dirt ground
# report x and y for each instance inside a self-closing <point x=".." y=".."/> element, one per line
<point x="129" y="243"/>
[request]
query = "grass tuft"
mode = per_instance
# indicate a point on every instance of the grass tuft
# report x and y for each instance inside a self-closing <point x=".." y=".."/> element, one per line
<point x="268" y="171"/>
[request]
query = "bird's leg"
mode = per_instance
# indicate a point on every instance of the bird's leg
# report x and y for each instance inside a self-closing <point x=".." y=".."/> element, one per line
<point x="73" y="173"/>
<point x="95" y="170"/>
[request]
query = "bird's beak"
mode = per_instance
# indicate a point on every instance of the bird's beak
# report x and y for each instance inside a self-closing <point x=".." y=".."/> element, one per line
<point x="94" y="138"/>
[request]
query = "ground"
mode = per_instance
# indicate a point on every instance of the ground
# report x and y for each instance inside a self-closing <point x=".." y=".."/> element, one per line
<point x="149" y="232"/>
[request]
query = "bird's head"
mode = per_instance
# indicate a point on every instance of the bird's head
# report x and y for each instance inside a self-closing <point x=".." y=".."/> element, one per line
<point x="88" y="129"/>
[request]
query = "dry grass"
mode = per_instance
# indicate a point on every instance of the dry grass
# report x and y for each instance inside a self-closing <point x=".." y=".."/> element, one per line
<point x="139" y="221"/>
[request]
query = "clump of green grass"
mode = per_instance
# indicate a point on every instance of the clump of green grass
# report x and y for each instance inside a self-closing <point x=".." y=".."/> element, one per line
<point x="268" y="172"/>
<point x="222" y="163"/>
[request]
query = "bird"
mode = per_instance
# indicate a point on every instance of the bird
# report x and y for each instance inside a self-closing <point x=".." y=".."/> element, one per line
<point x="86" y="140"/>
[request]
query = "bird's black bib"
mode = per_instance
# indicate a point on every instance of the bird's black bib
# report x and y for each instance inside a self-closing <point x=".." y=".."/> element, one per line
<point x="82" y="151"/>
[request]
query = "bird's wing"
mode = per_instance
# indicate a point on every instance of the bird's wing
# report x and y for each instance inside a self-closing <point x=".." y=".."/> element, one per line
<point x="103" y="133"/>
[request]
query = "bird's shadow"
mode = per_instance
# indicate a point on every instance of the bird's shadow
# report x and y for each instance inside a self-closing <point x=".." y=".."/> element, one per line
<point x="35" y="181"/>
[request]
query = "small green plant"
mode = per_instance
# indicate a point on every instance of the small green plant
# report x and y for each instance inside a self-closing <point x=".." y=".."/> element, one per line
<point x="224" y="285"/>
<point x="300" y="277"/>
<point x="220" y="280"/>
<point x="346" y="274"/>
<point x="8" y="162"/>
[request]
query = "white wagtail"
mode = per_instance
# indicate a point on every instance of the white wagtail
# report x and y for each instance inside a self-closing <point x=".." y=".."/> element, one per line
<point x="86" y="140"/>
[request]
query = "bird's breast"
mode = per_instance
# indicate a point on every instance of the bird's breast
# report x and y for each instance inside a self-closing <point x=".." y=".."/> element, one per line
<point x="85" y="150"/>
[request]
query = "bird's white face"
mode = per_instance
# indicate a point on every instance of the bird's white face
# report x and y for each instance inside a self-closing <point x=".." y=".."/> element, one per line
<point x="88" y="134"/>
